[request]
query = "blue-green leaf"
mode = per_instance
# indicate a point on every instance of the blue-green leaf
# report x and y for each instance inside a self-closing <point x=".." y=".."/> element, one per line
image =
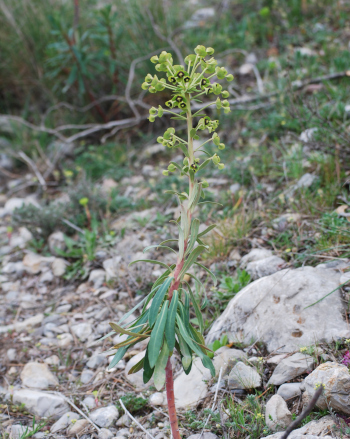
<point x="118" y="356"/>
<point x="170" y="323"/>
<point x="196" y="309"/>
<point x="157" y="301"/>
<point x="151" y="261"/>
<point x="159" y="369"/>
<point x="207" y="230"/>
<point x="211" y="274"/>
<point x="157" y="335"/>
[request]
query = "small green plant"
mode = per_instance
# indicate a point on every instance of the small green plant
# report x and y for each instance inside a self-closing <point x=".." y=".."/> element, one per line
<point x="166" y="322"/>
<point x="132" y="402"/>
<point x="217" y="344"/>
<point x="35" y="429"/>
<point x="230" y="286"/>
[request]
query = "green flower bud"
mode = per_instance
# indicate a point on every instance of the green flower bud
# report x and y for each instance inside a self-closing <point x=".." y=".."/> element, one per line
<point x="152" y="90"/>
<point x="161" y="68"/>
<point x="152" y="110"/>
<point x="154" y="59"/>
<point x="163" y="56"/>
<point x="151" y="118"/>
<point x="145" y="86"/>
<point x="216" y="140"/>
<point x="171" y="130"/>
<point x="217" y="88"/>
<point x="221" y="72"/>
<point x="225" y="103"/>
<point x="229" y="77"/>
<point x="190" y="59"/>
<point x="165" y="172"/>
<point x="148" y="77"/>
<point x="205" y="184"/>
<point x="171" y="167"/>
<point x="218" y="103"/>
<point x="160" y="139"/>
<point x="210" y="51"/>
<point x="160" y="86"/>
<point x="225" y="94"/>
<point x="185" y="161"/>
<point x="221" y="166"/>
<point x="227" y="110"/>
<point x="221" y="146"/>
<point x="216" y="159"/>
<point x="160" y="111"/>
<point x="201" y="51"/>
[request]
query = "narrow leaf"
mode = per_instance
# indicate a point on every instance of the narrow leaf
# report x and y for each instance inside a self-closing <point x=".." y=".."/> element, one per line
<point x="117" y="357"/>
<point x="119" y="330"/>
<point x="196" y="309"/>
<point x="157" y="335"/>
<point x="211" y="274"/>
<point x="147" y="369"/>
<point x="194" y="234"/>
<point x="138" y="366"/>
<point x="157" y="301"/>
<point x="159" y="369"/>
<point x="191" y="259"/>
<point x="170" y="323"/>
<point x="151" y="262"/>
<point x="158" y="246"/>
<point x="207" y="230"/>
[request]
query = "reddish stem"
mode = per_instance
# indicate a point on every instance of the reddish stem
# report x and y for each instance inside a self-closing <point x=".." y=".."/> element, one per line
<point x="171" y="401"/>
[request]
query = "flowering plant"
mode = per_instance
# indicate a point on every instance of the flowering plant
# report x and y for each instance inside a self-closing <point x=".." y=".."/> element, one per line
<point x="165" y="314"/>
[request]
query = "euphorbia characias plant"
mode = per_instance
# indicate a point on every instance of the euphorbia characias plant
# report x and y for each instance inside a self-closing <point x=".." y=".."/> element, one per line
<point x="165" y="315"/>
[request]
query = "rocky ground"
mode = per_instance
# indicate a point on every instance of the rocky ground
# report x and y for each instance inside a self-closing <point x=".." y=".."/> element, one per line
<point x="278" y="320"/>
<point x="54" y="368"/>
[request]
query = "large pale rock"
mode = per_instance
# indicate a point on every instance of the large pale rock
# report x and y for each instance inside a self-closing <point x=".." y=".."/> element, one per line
<point x="190" y="389"/>
<point x="65" y="421"/>
<point x="273" y="310"/>
<point x="78" y="427"/>
<point x="289" y="390"/>
<point x="243" y="377"/>
<point x="265" y="267"/>
<point x="277" y="414"/>
<point x="291" y="367"/>
<point x="312" y="430"/>
<point x="336" y="380"/>
<point x="38" y="376"/>
<point x="42" y="404"/>
<point x="104" y="416"/>
<point x="226" y="359"/>
<point x="136" y="379"/>
<point x="257" y="254"/>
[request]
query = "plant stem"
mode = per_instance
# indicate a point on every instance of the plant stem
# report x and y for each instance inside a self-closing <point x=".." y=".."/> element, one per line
<point x="175" y="285"/>
<point x="174" y="425"/>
